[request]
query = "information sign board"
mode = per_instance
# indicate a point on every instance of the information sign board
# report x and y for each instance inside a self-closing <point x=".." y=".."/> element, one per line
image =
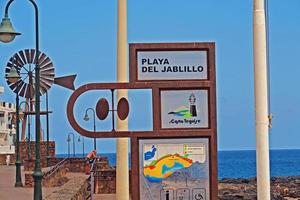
<point x="177" y="159"/>
<point x="172" y="169"/>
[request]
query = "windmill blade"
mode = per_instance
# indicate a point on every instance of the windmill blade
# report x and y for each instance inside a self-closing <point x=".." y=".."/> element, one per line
<point x="23" y="90"/>
<point x="43" y="87"/>
<point x="13" y="62"/>
<point x="66" y="81"/>
<point x="17" y="86"/>
<point x="48" y="73"/>
<point x="28" y="56"/>
<point x="46" y="61"/>
<point x="47" y="82"/>
<point x="19" y="60"/>
<point x="49" y="66"/>
<point x="42" y="57"/>
<point x="23" y="57"/>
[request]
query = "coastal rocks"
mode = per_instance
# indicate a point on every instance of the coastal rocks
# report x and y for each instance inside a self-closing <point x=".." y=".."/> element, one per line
<point x="282" y="188"/>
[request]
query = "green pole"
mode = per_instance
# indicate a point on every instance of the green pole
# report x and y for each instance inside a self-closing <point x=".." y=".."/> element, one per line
<point x="47" y="126"/>
<point x="37" y="174"/>
<point x="18" y="182"/>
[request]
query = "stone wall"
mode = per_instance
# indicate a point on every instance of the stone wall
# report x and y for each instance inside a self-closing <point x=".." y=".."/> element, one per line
<point x="72" y="165"/>
<point x="105" y="181"/>
<point x="52" y="176"/>
<point x="56" y="178"/>
<point x="105" y="177"/>
<point x="28" y="148"/>
<point x="76" y="165"/>
<point x="75" y="189"/>
<point x="29" y="164"/>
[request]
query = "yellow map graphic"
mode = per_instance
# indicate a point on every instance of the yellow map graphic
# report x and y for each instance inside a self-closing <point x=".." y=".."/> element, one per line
<point x="165" y="166"/>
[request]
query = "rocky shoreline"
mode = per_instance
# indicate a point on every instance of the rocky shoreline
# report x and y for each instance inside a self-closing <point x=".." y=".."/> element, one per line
<point x="282" y="188"/>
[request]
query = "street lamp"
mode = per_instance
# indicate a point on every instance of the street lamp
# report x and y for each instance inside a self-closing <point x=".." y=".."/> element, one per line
<point x="7" y="34"/>
<point x="28" y="127"/>
<point x="14" y="77"/>
<point x="87" y="118"/>
<point x="82" y="144"/>
<point x="73" y="142"/>
<point x="68" y="140"/>
<point x="47" y="129"/>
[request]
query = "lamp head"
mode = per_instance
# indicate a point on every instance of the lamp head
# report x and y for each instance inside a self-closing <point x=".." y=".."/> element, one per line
<point x="13" y="75"/>
<point x="69" y="138"/>
<point x="86" y="117"/>
<point x="79" y="139"/>
<point x="7" y="32"/>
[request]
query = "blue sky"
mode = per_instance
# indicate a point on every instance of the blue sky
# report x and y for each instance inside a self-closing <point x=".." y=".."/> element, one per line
<point x="80" y="38"/>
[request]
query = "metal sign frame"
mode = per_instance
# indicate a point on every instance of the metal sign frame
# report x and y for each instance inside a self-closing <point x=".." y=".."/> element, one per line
<point x="156" y="86"/>
<point x="163" y="133"/>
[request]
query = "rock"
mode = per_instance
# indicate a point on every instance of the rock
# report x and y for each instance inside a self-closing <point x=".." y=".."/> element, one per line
<point x="282" y="188"/>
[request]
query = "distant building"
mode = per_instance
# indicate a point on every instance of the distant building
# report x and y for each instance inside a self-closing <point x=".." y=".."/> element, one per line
<point x="7" y="129"/>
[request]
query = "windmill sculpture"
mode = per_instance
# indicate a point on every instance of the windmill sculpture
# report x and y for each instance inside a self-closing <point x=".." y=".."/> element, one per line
<point x="23" y="62"/>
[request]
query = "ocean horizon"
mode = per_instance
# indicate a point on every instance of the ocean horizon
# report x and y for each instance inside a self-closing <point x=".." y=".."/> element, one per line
<point x="241" y="163"/>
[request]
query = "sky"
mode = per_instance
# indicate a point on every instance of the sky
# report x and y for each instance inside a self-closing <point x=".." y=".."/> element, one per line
<point x="80" y="38"/>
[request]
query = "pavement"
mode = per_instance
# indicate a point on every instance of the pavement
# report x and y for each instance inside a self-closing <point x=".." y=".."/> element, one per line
<point x="8" y="191"/>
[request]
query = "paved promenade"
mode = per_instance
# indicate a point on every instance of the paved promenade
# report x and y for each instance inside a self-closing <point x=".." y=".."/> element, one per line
<point x="9" y="192"/>
<point x="7" y="189"/>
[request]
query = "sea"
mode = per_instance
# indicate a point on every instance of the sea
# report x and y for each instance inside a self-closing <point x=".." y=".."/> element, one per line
<point x="242" y="164"/>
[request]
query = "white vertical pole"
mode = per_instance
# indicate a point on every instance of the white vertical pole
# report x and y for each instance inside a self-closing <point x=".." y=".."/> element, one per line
<point x="261" y="101"/>
<point x="122" y="171"/>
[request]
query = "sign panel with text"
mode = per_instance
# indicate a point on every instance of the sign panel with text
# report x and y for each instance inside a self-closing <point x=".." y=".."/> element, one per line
<point x="172" y="65"/>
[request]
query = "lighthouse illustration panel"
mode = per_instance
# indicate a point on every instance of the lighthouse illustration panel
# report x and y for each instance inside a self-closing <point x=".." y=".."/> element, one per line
<point x="174" y="169"/>
<point x="184" y="108"/>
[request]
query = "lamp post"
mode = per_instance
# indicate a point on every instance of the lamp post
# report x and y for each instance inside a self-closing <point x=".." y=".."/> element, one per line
<point x="73" y="142"/>
<point x="28" y="128"/>
<point x="122" y="171"/>
<point x="262" y="116"/>
<point x="68" y="140"/>
<point x="82" y="144"/>
<point x="87" y="118"/>
<point x="14" y="77"/>
<point x="47" y="129"/>
<point x="7" y="34"/>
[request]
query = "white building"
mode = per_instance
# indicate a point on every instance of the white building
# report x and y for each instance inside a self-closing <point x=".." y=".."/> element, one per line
<point x="7" y="130"/>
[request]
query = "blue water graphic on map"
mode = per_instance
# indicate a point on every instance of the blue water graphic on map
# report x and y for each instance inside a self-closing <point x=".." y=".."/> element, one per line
<point x="153" y="179"/>
<point x="150" y="154"/>
<point x="176" y="166"/>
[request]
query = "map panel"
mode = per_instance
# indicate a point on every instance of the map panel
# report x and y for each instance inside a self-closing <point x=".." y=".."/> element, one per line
<point x="174" y="169"/>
